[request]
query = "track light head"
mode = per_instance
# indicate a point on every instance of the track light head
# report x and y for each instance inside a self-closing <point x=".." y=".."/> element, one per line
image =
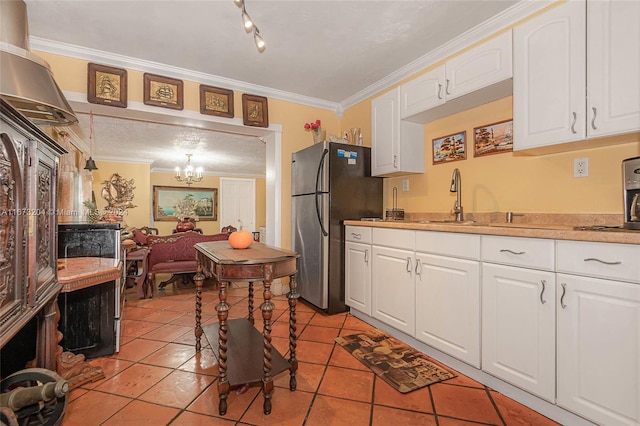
<point x="247" y="22"/>
<point x="260" y="44"/>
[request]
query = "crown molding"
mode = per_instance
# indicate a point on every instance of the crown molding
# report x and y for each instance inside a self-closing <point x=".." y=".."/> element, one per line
<point x="99" y="56"/>
<point x="503" y="20"/>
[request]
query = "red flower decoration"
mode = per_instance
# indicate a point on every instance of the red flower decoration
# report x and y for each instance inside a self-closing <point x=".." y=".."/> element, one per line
<point x="312" y="126"/>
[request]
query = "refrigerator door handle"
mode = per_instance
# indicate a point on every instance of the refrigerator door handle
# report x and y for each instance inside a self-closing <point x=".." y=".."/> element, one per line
<point x="318" y="193"/>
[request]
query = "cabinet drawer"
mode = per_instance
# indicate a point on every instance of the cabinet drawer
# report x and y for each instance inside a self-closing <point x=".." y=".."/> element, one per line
<point x="398" y="238"/>
<point x="357" y="234"/>
<point x="603" y="260"/>
<point x="526" y="252"/>
<point x="453" y="244"/>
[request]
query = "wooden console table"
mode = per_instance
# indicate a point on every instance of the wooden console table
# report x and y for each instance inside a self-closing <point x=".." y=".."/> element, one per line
<point x="252" y="356"/>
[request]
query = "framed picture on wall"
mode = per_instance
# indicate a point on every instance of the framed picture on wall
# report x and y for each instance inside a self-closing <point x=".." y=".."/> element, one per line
<point x="171" y="201"/>
<point x="450" y="148"/>
<point x="493" y="138"/>
<point x="216" y="101"/>
<point x="107" y="85"/>
<point x="163" y="91"/>
<point x="255" y="111"/>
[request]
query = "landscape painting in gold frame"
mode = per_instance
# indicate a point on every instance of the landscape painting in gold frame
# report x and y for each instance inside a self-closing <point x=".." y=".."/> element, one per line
<point x="163" y="91"/>
<point x="165" y="199"/>
<point x="450" y="148"/>
<point x="255" y="111"/>
<point x="216" y="101"/>
<point x="107" y="85"/>
<point x="494" y="138"/>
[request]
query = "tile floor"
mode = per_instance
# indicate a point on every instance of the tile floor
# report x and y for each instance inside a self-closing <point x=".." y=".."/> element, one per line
<point x="158" y="379"/>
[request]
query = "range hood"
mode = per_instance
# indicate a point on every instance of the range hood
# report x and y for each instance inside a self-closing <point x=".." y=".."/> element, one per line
<point x="26" y="81"/>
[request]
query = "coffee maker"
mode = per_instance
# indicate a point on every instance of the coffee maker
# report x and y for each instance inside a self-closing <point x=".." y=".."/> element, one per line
<point x="631" y="177"/>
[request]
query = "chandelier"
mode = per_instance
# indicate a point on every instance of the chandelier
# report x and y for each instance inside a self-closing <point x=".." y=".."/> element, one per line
<point x="250" y="26"/>
<point x="190" y="176"/>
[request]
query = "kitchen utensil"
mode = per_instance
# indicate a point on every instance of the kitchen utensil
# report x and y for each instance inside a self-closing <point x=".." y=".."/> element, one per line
<point x="395" y="213"/>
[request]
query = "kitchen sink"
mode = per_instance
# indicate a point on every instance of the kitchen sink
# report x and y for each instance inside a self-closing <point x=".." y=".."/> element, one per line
<point x="533" y="226"/>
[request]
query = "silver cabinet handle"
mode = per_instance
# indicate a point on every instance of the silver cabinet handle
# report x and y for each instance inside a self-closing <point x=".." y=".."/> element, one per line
<point x="356" y="236"/>
<point x="418" y="267"/>
<point x="439" y="91"/>
<point x="409" y="264"/>
<point x="593" y="259"/>
<point x="564" y="291"/>
<point x="446" y="90"/>
<point x="366" y="256"/>
<point x="573" y="125"/>
<point x="542" y="292"/>
<point x="512" y="252"/>
<point x="593" y="120"/>
<point x="395" y="161"/>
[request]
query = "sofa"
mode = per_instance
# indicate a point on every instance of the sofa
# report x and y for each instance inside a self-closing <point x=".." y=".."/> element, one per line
<point x="174" y="254"/>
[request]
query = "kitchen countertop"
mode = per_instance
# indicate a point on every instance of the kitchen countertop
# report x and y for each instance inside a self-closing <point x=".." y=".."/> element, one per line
<point x="551" y="230"/>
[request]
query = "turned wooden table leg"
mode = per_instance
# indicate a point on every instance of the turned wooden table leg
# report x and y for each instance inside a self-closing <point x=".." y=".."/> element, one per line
<point x="198" y="279"/>
<point x="267" y="312"/>
<point x="223" y="382"/>
<point x="293" y="361"/>
<point x="250" y="318"/>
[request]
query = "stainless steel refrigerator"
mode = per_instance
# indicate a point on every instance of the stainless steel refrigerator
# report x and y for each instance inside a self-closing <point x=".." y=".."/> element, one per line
<point x="330" y="182"/>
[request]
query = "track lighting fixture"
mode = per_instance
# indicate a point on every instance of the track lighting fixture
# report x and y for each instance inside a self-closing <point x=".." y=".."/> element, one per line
<point x="250" y="26"/>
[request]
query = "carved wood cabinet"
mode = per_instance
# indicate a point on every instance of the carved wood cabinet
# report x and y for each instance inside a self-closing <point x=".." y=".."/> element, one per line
<point x="28" y="186"/>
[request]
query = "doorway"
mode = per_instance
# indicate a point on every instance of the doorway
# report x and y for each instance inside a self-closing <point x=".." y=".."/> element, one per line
<point x="238" y="203"/>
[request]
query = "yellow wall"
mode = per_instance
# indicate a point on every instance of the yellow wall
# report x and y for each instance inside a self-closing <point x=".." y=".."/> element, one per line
<point x="492" y="183"/>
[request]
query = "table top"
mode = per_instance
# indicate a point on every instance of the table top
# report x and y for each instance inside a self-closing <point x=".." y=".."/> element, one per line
<point x="257" y="253"/>
<point x="80" y="272"/>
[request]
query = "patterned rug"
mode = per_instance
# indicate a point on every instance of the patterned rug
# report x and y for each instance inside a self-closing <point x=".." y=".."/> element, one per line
<point x="398" y="364"/>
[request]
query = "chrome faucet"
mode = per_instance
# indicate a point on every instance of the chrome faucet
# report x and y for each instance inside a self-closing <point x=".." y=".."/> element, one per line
<point x="456" y="186"/>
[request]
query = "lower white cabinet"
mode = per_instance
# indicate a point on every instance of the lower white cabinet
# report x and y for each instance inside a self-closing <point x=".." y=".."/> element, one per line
<point x="519" y="327"/>
<point x="599" y="331"/>
<point x="447" y="301"/>
<point x="358" y="268"/>
<point x="393" y="278"/>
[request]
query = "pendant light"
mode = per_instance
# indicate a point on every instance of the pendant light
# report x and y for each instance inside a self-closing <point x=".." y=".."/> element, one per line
<point x="91" y="165"/>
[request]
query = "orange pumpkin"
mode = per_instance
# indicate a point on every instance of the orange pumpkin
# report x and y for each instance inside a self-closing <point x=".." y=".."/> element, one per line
<point x="240" y="239"/>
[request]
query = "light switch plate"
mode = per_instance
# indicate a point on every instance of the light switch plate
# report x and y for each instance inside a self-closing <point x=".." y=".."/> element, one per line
<point x="405" y="185"/>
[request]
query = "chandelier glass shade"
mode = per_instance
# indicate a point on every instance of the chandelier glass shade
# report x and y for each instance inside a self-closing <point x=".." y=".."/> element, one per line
<point x="250" y="26"/>
<point x="190" y="175"/>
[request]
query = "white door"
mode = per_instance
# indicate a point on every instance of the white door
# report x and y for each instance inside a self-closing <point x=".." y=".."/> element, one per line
<point x="238" y="203"/>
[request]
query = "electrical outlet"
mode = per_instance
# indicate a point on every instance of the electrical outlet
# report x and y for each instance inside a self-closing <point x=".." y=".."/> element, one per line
<point x="405" y="185"/>
<point x="581" y="167"/>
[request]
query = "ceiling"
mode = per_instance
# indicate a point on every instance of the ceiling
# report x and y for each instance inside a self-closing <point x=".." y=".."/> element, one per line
<point x="321" y="53"/>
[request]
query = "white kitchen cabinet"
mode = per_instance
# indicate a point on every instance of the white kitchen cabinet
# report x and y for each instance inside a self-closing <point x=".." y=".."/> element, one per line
<point x="358" y="268"/>
<point x="393" y="278"/>
<point x="599" y="331"/>
<point x="518" y="312"/>
<point x="478" y="68"/>
<point x="397" y="146"/>
<point x="575" y="74"/>
<point x="447" y="301"/>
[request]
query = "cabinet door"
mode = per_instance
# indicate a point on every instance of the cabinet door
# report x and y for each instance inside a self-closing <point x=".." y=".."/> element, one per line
<point x="599" y="349"/>
<point x="518" y="327"/>
<point x="393" y="288"/>
<point x="613" y="67"/>
<point x="448" y="305"/>
<point x="384" y="133"/>
<point x="549" y="77"/>
<point x="482" y="66"/>
<point x="358" y="276"/>
<point x="422" y="93"/>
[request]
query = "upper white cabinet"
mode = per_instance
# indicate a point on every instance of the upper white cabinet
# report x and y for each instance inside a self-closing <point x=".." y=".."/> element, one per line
<point x="576" y="73"/>
<point x="397" y="147"/>
<point x="468" y="73"/>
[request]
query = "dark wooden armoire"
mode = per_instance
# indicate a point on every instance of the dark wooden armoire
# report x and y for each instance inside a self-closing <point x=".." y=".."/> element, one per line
<point x="29" y="161"/>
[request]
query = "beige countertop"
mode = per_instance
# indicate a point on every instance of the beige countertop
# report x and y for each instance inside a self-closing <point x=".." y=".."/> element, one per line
<point x="550" y="229"/>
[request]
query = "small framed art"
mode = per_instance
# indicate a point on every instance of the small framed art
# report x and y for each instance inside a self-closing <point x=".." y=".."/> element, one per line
<point x="216" y="101"/>
<point x="255" y="111"/>
<point x="493" y="138"/>
<point x="107" y="85"/>
<point x="450" y="148"/>
<point x="163" y="91"/>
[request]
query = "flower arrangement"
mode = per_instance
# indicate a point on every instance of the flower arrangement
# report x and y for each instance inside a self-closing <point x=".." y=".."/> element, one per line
<point x="186" y="208"/>
<point x="313" y="126"/>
